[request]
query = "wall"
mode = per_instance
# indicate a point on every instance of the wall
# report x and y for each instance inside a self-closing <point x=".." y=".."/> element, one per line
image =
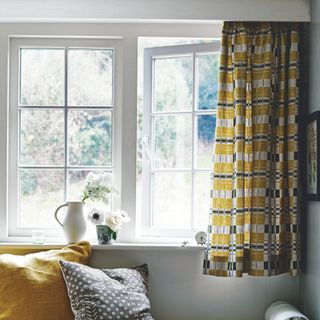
<point x="310" y="281"/>
<point x="177" y="288"/>
<point x="179" y="291"/>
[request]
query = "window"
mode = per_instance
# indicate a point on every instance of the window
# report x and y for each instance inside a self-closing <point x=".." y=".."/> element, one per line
<point x="65" y="107"/>
<point x="180" y="99"/>
<point x="72" y="109"/>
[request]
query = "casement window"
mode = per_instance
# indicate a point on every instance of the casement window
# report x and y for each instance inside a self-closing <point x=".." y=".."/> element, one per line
<point x="180" y="100"/>
<point x="64" y="115"/>
<point x="65" y="119"/>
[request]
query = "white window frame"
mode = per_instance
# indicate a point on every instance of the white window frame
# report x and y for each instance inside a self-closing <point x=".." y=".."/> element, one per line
<point x="14" y="231"/>
<point x="150" y="54"/>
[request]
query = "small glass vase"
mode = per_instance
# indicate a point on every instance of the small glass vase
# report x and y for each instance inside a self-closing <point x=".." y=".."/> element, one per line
<point x="105" y="235"/>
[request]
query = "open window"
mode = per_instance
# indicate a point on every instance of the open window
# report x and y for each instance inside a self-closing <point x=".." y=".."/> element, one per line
<point x="179" y="116"/>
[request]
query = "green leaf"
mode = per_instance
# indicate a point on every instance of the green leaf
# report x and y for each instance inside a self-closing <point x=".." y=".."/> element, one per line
<point x="114" y="236"/>
<point x="110" y="231"/>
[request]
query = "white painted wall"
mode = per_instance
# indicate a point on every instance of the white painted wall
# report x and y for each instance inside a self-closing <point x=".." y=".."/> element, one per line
<point x="179" y="291"/>
<point x="309" y="291"/>
<point x="61" y="10"/>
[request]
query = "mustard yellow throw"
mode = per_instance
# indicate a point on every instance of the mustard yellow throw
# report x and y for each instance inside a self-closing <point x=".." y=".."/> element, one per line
<point x="32" y="287"/>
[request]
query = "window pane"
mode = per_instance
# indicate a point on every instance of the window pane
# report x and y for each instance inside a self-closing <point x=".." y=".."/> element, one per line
<point x="42" y="77"/>
<point x="171" y="200"/>
<point x="173" y="83"/>
<point x="90" y="73"/>
<point x="90" y="137"/>
<point x="173" y="141"/>
<point x="205" y="131"/>
<point x="202" y="199"/>
<point x="76" y="184"/>
<point x="41" y="137"/>
<point x="207" y="68"/>
<point x="41" y="191"/>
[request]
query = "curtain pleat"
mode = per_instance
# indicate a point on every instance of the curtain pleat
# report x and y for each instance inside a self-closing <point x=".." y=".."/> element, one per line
<point x="254" y="218"/>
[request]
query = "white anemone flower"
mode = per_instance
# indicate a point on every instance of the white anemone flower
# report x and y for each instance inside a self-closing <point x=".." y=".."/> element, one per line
<point x="97" y="187"/>
<point x="96" y="216"/>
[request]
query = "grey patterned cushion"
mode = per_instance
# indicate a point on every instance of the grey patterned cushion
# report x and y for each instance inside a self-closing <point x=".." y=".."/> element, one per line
<point x="107" y="294"/>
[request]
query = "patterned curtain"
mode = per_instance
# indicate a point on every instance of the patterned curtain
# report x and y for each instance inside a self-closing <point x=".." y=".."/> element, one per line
<point x="254" y="219"/>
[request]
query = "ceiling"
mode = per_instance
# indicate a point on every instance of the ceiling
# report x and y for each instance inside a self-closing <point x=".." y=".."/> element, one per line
<point x="151" y="10"/>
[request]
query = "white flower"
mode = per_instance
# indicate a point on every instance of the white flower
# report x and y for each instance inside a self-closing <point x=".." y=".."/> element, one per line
<point x="115" y="219"/>
<point x="98" y="186"/>
<point x="96" y="216"/>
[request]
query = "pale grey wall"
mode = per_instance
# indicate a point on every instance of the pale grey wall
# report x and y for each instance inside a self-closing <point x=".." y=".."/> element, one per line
<point x="310" y="281"/>
<point x="178" y="290"/>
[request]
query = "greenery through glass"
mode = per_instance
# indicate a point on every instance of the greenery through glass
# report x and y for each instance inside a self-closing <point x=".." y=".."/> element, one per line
<point x="42" y="77"/>
<point x="205" y="129"/>
<point x="42" y="139"/>
<point x="90" y="83"/>
<point x="173" y="141"/>
<point x="207" y="67"/>
<point x="90" y="137"/>
<point x="90" y="77"/>
<point x="40" y="192"/>
<point x="173" y="83"/>
<point x="176" y="144"/>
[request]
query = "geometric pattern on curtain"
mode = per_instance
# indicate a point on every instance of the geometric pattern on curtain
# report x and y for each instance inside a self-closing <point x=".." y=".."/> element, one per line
<point x="254" y="217"/>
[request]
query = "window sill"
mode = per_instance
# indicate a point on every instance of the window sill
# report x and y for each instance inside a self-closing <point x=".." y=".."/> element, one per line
<point x="7" y="247"/>
<point x="146" y="246"/>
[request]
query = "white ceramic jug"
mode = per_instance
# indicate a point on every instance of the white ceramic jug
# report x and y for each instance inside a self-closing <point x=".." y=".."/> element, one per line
<point x="74" y="224"/>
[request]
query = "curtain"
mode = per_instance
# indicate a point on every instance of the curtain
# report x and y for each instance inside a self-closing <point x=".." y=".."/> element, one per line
<point x="254" y="217"/>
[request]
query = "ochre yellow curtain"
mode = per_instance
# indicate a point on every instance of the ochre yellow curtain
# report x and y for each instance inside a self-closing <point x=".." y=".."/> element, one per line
<point x="254" y="219"/>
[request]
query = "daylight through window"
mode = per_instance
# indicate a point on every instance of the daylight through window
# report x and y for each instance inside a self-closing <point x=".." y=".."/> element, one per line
<point x="65" y="111"/>
<point x="179" y="116"/>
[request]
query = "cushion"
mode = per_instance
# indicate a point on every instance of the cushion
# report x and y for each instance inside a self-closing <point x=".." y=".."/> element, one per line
<point x="32" y="287"/>
<point x="107" y="294"/>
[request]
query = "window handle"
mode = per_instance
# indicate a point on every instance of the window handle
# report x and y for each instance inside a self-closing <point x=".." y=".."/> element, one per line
<point x="146" y="146"/>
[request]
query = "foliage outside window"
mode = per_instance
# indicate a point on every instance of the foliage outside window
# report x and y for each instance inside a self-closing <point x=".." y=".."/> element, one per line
<point x="65" y="110"/>
<point x="180" y="99"/>
<point x="63" y="104"/>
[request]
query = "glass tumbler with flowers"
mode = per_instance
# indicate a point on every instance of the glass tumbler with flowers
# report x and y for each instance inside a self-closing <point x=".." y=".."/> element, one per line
<point x="98" y="189"/>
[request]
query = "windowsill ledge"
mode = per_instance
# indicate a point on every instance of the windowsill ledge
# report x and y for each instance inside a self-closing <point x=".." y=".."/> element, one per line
<point x="146" y="246"/>
<point x="115" y="246"/>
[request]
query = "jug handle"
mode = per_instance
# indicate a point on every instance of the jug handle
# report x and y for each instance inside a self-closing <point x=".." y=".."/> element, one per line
<point x="56" y="213"/>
